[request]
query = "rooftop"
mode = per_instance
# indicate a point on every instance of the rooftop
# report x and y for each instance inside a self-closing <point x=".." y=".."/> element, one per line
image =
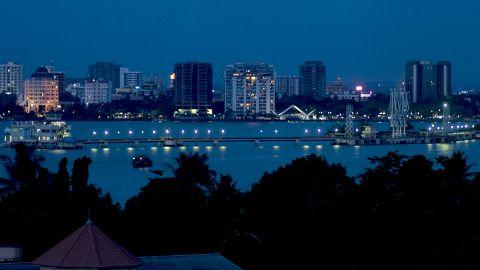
<point x="87" y="247"/>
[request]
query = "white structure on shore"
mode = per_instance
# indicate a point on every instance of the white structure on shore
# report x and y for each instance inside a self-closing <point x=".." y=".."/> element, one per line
<point x="398" y="112"/>
<point x="249" y="90"/>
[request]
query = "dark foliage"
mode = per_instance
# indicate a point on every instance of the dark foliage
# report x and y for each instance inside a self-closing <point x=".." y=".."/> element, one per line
<point x="401" y="213"/>
<point x="39" y="209"/>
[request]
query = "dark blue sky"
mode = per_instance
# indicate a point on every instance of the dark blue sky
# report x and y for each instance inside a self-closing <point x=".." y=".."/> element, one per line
<point x="357" y="39"/>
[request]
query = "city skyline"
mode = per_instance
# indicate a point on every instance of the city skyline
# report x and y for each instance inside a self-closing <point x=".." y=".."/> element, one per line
<point x="357" y="45"/>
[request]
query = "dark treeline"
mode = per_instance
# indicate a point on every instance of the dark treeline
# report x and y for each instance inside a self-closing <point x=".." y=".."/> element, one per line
<point x="401" y="213"/>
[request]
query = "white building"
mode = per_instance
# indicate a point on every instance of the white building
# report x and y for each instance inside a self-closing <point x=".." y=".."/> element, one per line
<point x="11" y="78"/>
<point x="130" y="78"/>
<point x="249" y="90"/>
<point x="97" y="91"/>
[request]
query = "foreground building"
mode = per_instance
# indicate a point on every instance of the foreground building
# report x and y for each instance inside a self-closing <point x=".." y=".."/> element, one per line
<point x="96" y="91"/>
<point x="192" y="87"/>
<point x="11" y="79"/>
<point x="249" y="90"/>
<point x="41" y="92"/>
<point x="427" y="81"/>
<point x="89" y="248"/>
<point x="313" y="76"/>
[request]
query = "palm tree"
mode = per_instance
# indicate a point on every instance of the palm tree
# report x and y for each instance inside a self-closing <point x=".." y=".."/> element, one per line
<point x="23" y="169"/>
<point x="193" y="169"/>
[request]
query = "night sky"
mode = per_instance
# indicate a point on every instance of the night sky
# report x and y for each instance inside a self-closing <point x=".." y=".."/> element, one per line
<point x="357" y="39"/>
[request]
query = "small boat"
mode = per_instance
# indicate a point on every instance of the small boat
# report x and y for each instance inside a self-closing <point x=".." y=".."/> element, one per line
<point x="172" y="143"/>
<point x="142" y="161"/>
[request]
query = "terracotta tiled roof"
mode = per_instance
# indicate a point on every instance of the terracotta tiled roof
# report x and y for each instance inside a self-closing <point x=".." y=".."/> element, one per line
<point x="88" y="247"/>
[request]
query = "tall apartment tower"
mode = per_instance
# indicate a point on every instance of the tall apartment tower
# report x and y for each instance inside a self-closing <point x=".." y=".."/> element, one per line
<point x="444" y="78"/>
<point x="11" y="78"/>
<point x="427" y="81"/>
<point x="192" y="87"/>
<point x="249" y="90"/>
<point x="287" y="86"/>
<point x="313" y="79"/>
<point x="105" y="70"/>
<point x="41" y="92"/>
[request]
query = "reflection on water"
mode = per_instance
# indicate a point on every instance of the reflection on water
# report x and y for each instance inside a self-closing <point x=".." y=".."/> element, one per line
<point x="246" y="162"/>
<point x="444" y="148"/>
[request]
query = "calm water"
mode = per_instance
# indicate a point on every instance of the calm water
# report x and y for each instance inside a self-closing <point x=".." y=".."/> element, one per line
<point x="112" y="171"/>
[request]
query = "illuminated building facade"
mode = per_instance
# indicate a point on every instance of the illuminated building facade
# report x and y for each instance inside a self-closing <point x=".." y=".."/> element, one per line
<point x="59" y="76"/>
<point x="249" y="90"/>
<point x="41" y="92"/>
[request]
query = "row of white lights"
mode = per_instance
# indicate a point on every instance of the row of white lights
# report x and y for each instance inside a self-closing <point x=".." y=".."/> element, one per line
<point x="451" y="127"/>
<point x="195" y="131"/>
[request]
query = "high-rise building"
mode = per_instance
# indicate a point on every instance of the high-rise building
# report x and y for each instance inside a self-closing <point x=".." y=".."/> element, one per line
<point x="287" y="85"/>
<point x="249" y="90"/>
<point x="96" y="91"/>
<point x="313" y="79"/>
<point x="427" y="81"/>
<point x="105" y="70"/>
<point x="41" y="92"/>
<point x="444" y="78"/>
<point x="192" y="86"/>
<point x="11" y="79"/>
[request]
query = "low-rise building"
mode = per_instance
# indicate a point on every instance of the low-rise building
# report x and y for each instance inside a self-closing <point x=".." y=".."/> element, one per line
<point x="97" y="91"/>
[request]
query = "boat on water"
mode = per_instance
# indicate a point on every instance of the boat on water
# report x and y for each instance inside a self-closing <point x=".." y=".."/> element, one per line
<point x="142" y="161"/>
<point x="47" y="134"/>
<point x="172" y="143"/>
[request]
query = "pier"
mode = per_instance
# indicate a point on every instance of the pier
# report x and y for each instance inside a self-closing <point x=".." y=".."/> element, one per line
<point x="214" y="140"/>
